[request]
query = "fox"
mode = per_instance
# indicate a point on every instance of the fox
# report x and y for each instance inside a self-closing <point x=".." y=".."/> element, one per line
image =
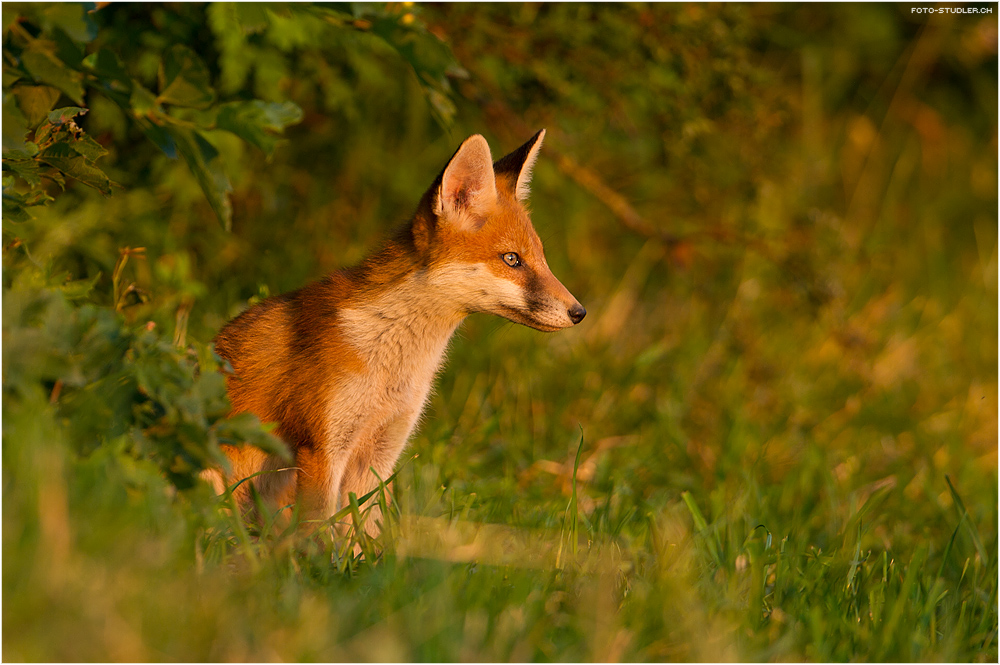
<point x="344" y="366"/>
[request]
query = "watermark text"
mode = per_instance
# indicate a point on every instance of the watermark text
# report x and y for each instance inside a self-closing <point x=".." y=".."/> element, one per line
<point x="951" y="10"/>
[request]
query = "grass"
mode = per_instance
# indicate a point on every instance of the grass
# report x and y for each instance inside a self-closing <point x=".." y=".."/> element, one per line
<point x="687" y="476"/>
<point x="678" y="479"/>
<point x="516" y="537"/>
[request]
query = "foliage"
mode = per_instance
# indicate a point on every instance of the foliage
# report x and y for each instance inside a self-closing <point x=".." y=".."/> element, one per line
<point x="782" y="220"/>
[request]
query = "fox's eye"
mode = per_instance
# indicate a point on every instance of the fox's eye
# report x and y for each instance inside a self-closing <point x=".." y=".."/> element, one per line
<point x="512" y="259"/>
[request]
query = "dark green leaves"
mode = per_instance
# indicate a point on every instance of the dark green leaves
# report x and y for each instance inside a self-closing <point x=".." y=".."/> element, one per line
<point x="55" y="61"/>
<point x="117" y="380"/>
<point x="110" y="73"/>
<point x="27" y="169"/>
<point x="204" y="162"/>
<point x="64" y="147"/>
<point x="41" y="62"/>
<point x="65" y="114"/>
<point x="72" y="18"/>
<point x="142" y="101"/>
<point x="258" y="122"/>
<point x="15" y="125"/>
<point x="15" y="204"/>
<point x="73" y="160"/>
<point x="430" y="58"/>
<point x="39" y="143"/>
<point x="59" y="149"/>
<point x="184" y="79"/>
<point x="35" y="102"/>
<point x="252" y="17"/>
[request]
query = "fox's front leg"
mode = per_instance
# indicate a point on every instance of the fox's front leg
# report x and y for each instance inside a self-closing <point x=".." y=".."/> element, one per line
<point x="321" y="469"/>
<point x="379" y="453"/>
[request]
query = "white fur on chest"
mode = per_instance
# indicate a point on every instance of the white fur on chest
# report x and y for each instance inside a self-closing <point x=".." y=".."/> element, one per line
<point x="400" y="337"/>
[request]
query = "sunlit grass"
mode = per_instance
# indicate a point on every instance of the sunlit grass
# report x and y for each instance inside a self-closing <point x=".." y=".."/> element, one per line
<point x="493" y="556"/>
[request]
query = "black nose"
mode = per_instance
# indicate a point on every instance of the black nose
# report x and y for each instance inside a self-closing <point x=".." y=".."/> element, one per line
<point x="576" y="313"/>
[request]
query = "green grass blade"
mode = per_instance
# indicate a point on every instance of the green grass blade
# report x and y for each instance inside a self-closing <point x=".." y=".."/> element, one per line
<point x="345" y="511"/>
<point x="947" y="549"/>
<point x="702" y="527"/>
<point x="973" y="531"/>
<point x="574" y="511"/>
<point x="903" y="600"/>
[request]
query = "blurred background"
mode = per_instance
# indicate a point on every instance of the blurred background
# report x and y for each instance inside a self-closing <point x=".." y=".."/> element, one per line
<point x="782" y="220"/>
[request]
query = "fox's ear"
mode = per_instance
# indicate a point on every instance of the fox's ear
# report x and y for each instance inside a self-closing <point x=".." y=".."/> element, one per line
<point x="468" y="181"/>
<point x="517" y="165"/>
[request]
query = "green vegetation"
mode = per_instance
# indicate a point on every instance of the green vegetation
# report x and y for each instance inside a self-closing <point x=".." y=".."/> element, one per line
<point x="773" y="438"/>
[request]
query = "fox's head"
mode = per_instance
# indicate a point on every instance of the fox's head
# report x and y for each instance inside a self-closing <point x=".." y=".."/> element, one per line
<point x="481" y="251"/>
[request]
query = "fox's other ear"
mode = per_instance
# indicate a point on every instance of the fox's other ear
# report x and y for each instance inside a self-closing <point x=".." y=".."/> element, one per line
<point x="468" y="181"/>
<point x="518" y="165"/>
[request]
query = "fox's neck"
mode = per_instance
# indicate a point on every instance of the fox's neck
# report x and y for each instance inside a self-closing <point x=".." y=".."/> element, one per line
<point x="396" y="318"/>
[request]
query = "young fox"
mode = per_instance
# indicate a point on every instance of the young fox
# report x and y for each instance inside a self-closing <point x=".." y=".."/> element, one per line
<point x="344" y="365"/>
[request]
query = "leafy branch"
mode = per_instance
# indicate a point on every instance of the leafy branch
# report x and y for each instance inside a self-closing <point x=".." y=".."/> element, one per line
<point x="42" y="144"/>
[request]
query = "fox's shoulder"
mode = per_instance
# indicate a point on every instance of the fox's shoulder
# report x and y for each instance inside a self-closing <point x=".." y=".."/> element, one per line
<point x="286" y="321"/>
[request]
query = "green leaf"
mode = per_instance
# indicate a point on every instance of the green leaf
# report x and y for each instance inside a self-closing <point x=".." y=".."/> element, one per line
<point x="14" y="211"/>
<point x="63" y="115"/>
<point x="67" y="49"/>
<point x="35" y="101"/>
<point x="14" y="204"/>
<point x="63" y="157"/>
<point x="430" y="58"/>
<point x="252" y="16"/>
<point x="44" y="66"/>
<point x="15" y="126"/>
<point x="29" y="151"/>
<point x="10" y="76"/>
<point x="31" y="199"/>
<point x="142" y="101"/>
<point x="89" y="148"/>
<point x="204" y="163"/>
<point x="110" y="72"/>
<point x="257" y="122"/>
<point x="184" y="79"/>
<point x="43" y="134"/>
<point x="159" y="136"/>
<point x="80" y="288"/>
<point x="27" y="169"/>
<point x="207" y="150"/>
<point x="73" y="18"/>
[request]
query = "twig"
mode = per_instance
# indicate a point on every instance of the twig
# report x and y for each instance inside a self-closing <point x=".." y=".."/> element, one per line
<point x="123" y="254"/>
<point x="56" y="391"/>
